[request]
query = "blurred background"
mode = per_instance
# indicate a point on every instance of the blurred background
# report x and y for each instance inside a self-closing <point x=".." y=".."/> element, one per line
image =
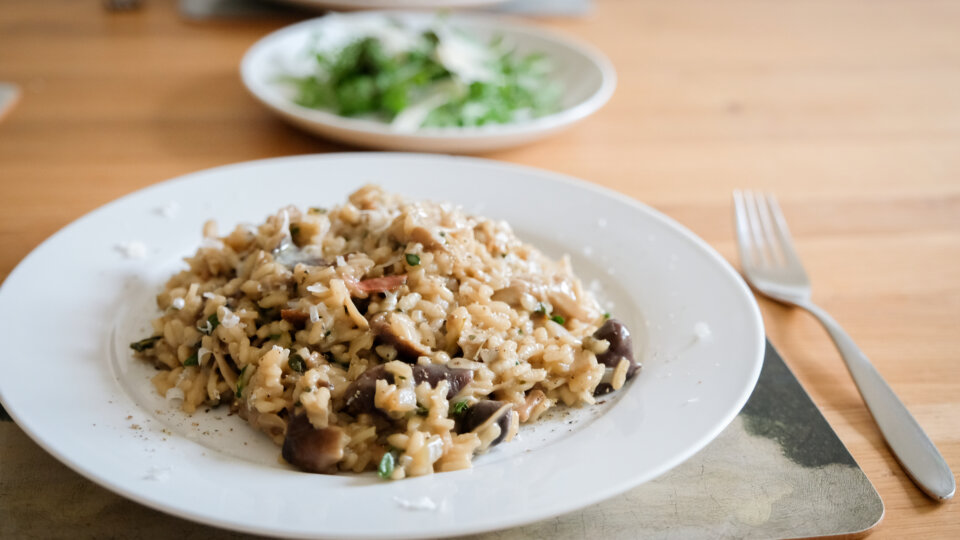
<point x="848" y="110"/>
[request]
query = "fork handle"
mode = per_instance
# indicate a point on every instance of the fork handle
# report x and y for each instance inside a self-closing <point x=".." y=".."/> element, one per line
<point x="909" y="443"/>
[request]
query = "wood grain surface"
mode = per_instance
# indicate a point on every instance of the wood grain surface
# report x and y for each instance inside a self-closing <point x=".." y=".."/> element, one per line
<point x="848" y="110"/>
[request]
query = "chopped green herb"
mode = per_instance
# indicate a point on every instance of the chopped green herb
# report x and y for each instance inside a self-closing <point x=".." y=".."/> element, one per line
<point x="459" y="407"/>
<point x="243" y="379"/>
<point x="519" y="332"/>
<point x="317" y="210"/>
<point x="413" y="259"/>
<point x="194" y="360"/>
<point x="442" y="233"/>
<point x="541" y="309"/>
<point x="210" y="325"/>
<point x="504" y="255"/>
<point x="387" y="463"/>
<point x="472" y="337"/>
<point x="517" y="363"/>
<point x="558" y="319"/>
<point x="296" y="363"/>
<point x="294" y="230"/>
<point x="606" y="315"/>
<point x="145" y="344"/>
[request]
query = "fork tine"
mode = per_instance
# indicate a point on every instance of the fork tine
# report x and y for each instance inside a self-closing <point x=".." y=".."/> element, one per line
<point x="783" y="232"/>
<point x="761" y="249"/>
<point x="769" y="230"/>
<point x="744" y="242"/>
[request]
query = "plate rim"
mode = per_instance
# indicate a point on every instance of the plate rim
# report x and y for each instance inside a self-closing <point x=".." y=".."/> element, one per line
<point x="530" y="128"/>
<point x="613" y="488"/>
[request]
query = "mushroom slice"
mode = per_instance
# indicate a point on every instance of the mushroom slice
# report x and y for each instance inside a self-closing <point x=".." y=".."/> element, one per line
<point x="489" y="419"/>
<point x="617" y="335"/>
<point x="311" y="449"/>
<point x="564" y="300"/>
<point x="361" y="392"/>
<point x="378" y="285"/>
<point x="398" y="330"/>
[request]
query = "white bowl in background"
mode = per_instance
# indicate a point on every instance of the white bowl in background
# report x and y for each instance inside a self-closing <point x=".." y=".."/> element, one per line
<point x="587" y="76"/>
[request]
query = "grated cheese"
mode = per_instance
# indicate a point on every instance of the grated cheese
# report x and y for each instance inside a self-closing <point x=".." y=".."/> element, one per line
<point x="158" y="474"/>
<point x="201" y="352"/>
<point x="701" y="331"/>
<point x="132" y="250"/>
<point x="230" y="319"/>
<point x="169" y="210"/>
<point x="420" y="503"/>
<point x="211" y="243"/>
<point x="317" y="288"/>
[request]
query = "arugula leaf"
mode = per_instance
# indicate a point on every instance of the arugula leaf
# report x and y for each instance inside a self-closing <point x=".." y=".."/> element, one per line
<point x="363" y="78"/>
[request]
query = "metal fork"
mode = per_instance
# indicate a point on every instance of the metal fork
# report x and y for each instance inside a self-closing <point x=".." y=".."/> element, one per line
<point x="772" y="266"/>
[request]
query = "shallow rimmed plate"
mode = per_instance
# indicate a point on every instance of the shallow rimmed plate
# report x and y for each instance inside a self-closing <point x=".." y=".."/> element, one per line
<point x="70" y="308"/>
<point x="588" y="79"/>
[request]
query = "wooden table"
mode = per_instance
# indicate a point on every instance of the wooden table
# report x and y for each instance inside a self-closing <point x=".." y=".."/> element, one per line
<point x="849" y="111"/>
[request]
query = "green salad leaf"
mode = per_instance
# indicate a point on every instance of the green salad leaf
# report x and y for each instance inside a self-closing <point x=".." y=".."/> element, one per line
<point x="442" y="78"/>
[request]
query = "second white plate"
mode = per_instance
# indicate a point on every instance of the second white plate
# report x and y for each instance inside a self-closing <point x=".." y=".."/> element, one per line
<point x="588" y="79"/>
<point x="72" y="306"/>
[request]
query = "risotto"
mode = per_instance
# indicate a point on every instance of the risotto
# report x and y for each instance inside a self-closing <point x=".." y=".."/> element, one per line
<point x="383" y="334"/>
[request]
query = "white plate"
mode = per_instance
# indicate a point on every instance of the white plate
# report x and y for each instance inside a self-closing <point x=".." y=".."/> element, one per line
<point x="72" y="306"/>
<point x="588" y="79"/>
<point x="391" y="4"/>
